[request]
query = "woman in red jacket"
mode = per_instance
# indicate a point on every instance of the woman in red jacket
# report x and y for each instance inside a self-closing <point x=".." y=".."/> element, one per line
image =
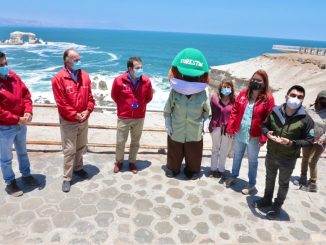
<point x="250" y="109"/>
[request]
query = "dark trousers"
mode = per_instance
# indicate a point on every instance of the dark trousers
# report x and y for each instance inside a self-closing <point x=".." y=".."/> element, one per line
<point x="191" y="151"/>
<point x="285" y="168"/>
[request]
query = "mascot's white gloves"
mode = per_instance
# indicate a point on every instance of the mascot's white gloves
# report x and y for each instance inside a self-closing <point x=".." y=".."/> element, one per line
<point x="206" y="122"/>
<point x="168" y="125"/>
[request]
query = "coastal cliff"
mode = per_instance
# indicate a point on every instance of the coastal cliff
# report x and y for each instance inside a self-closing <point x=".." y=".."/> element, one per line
<point x="284" y="70"/>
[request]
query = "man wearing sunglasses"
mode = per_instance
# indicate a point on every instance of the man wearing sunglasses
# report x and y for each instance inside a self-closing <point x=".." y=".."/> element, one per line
<point x="288" y="128"/>
<point x="72" y="92"/>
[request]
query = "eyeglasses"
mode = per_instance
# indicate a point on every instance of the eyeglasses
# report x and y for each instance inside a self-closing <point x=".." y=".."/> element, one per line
<point x="299" y="96"/>
<point x="257" y="80"/>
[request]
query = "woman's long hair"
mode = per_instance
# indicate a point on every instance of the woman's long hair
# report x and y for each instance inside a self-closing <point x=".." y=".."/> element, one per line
<point x="264" y="93"/>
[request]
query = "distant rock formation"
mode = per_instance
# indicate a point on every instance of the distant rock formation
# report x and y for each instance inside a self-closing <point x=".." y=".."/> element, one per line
<point x="16" y="38"/>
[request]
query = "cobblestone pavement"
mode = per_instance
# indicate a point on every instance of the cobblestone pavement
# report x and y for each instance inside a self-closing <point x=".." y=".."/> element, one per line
<point x="148" y="208"/>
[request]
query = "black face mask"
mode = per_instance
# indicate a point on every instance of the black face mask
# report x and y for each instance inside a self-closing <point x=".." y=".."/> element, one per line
<point x="254" y="85"/>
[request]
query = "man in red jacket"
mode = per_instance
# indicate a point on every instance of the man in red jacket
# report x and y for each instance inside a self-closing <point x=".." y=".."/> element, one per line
<point x="131" y="91"/>
<point x="72" y="92"/>
<point x="15" y="112"/>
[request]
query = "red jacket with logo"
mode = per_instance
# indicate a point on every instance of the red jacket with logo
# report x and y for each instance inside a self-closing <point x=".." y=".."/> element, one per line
<point x="124" y="96"/>
<point x="72" y="97"/>
<point x="15" y="99"/>
<point x="261" y="110"/>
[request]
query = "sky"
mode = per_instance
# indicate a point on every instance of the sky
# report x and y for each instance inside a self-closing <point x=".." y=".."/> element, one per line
<point x="293" y="19"/>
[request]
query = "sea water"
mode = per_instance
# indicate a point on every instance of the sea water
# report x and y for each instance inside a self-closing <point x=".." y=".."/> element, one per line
<point x="104" y="55"/>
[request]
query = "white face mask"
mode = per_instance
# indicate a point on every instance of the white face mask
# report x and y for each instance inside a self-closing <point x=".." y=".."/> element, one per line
<point x="187" y="88"/>
<point x="293" y="103"/>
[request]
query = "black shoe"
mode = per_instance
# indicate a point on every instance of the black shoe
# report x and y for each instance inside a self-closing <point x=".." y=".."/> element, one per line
<point x="81" y="173"/>
<point x="30" y="180"/>
<point x="191" y="175"/>
<point x="262" y="203"/>
<point x="13" y="190"/>
<point x="302" y="181"/>
<point x="66" y="186"/>
<point x="274" y="213"/>
<point x="170" y="174"/>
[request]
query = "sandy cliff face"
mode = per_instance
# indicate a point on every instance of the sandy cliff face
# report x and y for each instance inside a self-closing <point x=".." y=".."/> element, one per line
<point x="284" y="70"/>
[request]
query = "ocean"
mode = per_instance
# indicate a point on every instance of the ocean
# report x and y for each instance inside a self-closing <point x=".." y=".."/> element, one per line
<point x="104" y="54"/>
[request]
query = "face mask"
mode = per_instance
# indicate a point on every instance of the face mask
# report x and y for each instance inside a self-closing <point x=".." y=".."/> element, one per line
<point x="138" y="72"/>
<point x="4" y="71"/>
<point x="76" y="65"/>
<point x="293" y="103"/>
<point x="226" y="91"/>
<point x="254" y="85"/>
<point x="187" y="88"/>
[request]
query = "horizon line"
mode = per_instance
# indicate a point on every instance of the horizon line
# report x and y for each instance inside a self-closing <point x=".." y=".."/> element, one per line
<point x="178" y="32"/>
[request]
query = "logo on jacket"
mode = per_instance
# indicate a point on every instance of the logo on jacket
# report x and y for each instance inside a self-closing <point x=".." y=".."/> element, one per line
<point x="69" y="89"/>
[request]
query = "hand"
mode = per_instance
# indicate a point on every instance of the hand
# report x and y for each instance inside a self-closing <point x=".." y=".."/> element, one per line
<point x="206" y="126"/>
<point x="22" y="120"/>
<point x="320" y="142"/>
<point x="231" y="136"/>
<point x="271" y="136"/>
<point x="283" y="141"/>
<point x="261" y="144"/>
<point x="78" y="117"/>
<point x="168" y="125"/>
<point x="84" y="115"/>
<point x="28" y="116"/>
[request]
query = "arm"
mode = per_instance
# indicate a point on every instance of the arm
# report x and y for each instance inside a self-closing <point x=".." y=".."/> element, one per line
<point x="115" y="90"/>
<point x="91" y="101"/>
<point x="27" y="99"/>
<point x="233" y="115"/>
<point x="206" y="109"/>
<point x="168" y="108"/>
<point x="149" y="95"/>
<point x="307" y="133"/>
<point x="8" y="117"/>
<point x="63" y="106"/>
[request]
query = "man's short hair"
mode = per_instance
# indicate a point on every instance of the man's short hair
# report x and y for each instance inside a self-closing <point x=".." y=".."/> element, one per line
<point x="2" y="55"/>
<point x="298" y="88"/>
<point x="131" y="60"/>
<point x="66" y="53"/>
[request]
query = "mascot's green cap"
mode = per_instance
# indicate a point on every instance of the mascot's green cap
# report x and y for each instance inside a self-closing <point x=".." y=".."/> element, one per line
<point x="191" y="62"/>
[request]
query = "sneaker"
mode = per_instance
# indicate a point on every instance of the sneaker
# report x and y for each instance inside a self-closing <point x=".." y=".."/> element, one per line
<point x="230" y="181"/>
<point x="13" y="190"/>
<point x="133" y="168"/>
<point x="274" y="213"/>
<point x="212" y="174"/>
<point x="301" y="181"/>
<point x="170" y="174"/>
<point x="312" y="187"/>
<point x="66" y="186"/>
<point x="30" y="180"/>
<point x="81" y="173"/>
<point x="117" y="167"/>
<point x="262" y="203"/>
<point x="248" y="190"/>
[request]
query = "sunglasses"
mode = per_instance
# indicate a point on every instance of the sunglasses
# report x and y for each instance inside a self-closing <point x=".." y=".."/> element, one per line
<point x="299" y="96"/>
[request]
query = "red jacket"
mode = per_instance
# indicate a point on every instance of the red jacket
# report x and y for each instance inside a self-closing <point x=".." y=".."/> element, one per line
<point x="261" y="110"/>
<point x="72" y="97"/>
<point x="15" y="99"/>
<point x="123" y="95"/>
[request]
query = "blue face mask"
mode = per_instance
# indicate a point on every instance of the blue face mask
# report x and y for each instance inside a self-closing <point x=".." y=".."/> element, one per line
<point x="76" y="65"/>
<point x="138" y="72"/>
<point x="4" y="71"/>
<point x="226" y="91"/>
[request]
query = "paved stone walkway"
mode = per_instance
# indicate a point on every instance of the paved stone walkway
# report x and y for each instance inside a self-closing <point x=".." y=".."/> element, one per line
<point x="149" y="208"/>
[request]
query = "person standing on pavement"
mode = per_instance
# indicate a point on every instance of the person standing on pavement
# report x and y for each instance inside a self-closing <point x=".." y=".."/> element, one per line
<point x="185" y="112"/>
<point x="311" y="154"/>
<point x="221" y="106"/>
<point x="288" y="128"/>
<point x="131" y="92"/>
<point x="72" y="92"/>
<point x="15" y="113"/>
<point x="250" y="109"/>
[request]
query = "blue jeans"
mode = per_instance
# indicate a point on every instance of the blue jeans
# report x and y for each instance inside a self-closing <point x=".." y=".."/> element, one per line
<point x="9" y="135"/>
<point x="239" y="150"/>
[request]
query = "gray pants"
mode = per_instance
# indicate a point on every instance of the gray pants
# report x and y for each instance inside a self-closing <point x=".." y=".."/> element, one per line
<point x="285" y="168"/>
